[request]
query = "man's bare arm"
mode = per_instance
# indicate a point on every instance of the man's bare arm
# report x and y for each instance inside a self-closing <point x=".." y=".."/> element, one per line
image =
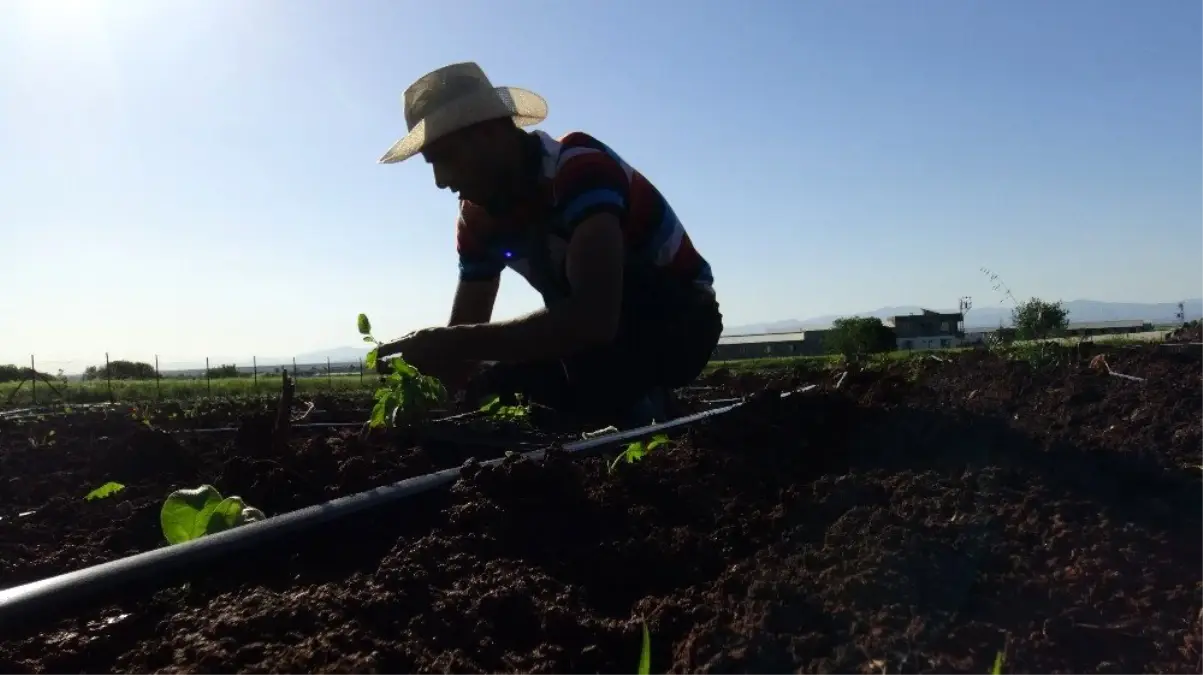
<point x="587" y="318"/>
<point x="474" y="302"/>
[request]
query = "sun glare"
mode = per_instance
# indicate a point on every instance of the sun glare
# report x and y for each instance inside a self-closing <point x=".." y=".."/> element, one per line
<point x="63" y="18"/>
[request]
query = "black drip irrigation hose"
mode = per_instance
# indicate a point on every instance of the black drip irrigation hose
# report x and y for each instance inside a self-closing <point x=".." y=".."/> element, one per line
<point x="40" y="599"/>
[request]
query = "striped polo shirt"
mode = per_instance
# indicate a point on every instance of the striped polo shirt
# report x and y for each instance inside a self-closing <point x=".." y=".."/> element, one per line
<point x="582" y="177"/>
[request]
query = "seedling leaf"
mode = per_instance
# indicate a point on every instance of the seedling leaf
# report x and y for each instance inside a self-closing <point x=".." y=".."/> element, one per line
<point x="225" y="515"/>
<point x="185" y="515"/>
<point x="365" y="326"/>
<point x="657" y="441"/>
<point x="370" y="360"/>
<point x="999" y="659"/>
<point x="250" y="514"/>
<point x="107" y="490"/>
<point x="403" y="369"/>
<point x="496" y="410"/>
<point x="491" y="404"/>
<point x="645" y="654"/>
<point x="638" y="450"/>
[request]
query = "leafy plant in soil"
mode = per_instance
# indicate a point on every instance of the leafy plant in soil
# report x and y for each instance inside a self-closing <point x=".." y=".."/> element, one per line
<point x="104" y="491"/>
<point x="188" y="514"/>
<point x="405" y="393"/>
<point x="636" y="451"/>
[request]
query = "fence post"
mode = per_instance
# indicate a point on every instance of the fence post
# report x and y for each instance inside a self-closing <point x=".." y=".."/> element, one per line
<point x="108" y="376"/>
<point x="361" y="372"/>
<point x="208" y="382"/>
<point x="294" y="367"/>
<point x="255" y="373"/>
<point x="329" y="377"/>
<point x="33" y="380"/>
<point x="158" y="394"/>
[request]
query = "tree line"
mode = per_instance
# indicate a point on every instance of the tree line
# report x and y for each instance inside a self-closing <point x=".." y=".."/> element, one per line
<point x="1033" y="319"/>
<point x="116" y="370"/>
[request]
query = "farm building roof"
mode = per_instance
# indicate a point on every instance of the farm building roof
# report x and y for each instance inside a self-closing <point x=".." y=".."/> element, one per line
<point x="761" y="338"/>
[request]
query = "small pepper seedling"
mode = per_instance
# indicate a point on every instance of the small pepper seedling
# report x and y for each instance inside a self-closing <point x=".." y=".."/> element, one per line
<point x="638" y="450"/>
<point x="104" y="491"/>
<point x="189" y="514"/>
<point x="404" y="393"/>
<point x="506" y="413"/>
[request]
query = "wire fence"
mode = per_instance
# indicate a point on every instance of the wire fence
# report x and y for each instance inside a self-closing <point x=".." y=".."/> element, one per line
<point x="113" y="379"/>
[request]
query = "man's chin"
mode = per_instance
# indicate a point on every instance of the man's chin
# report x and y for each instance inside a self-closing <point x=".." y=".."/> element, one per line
<point x="492" y="206"/>
<point x="474" y="197"/>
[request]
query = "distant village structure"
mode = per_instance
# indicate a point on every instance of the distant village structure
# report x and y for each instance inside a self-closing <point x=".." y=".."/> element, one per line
<point x="927" y="330"/>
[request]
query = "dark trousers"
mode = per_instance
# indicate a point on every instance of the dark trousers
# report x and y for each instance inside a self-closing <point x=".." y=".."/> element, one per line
<point x="664" y="340"/>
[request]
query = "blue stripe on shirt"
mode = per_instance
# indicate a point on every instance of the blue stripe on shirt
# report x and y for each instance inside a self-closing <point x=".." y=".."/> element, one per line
<point x="591" y="198"/>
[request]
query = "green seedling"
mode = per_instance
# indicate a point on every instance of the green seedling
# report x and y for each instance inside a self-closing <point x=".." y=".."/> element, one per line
<point x="645" y="654"/>
<point x="636" y="451"/>
<point x="189" y="514"/>
<point x="405" y="393"/>
<point x="505" y="413"/>
<point x="999" y="660"/>
<point x="107" y="490"/>
<point x="141" y="414"/>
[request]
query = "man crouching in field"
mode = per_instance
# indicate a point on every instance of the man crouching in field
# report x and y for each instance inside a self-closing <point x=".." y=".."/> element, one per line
<point x="630" y="311"/>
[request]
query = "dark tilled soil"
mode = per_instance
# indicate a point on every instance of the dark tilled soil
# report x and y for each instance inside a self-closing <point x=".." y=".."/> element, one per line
<point x="48" y="466"/>
<point x="920" y="519"/>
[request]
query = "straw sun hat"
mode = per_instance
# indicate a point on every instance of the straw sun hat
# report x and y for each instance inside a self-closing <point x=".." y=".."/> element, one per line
<point x="458" y="96"/>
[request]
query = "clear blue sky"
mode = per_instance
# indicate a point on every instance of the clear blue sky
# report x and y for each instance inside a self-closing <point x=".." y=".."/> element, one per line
<point x="194" y="178"/>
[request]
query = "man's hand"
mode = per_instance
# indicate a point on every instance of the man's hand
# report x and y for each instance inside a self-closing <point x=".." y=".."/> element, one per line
<point x="417" y="348"/>
<point x="428" y="351"/>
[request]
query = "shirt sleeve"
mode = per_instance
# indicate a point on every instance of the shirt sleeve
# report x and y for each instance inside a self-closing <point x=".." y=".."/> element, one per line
<point x="476" y="261"/>
<point x="589" y="182"/>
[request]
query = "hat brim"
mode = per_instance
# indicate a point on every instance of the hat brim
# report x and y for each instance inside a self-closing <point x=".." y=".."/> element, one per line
<point x="525" y="107"/>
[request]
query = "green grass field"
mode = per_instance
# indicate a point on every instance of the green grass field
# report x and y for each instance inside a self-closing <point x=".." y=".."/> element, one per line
<point x="175" y="388"/>
<point x="171" y="388"/>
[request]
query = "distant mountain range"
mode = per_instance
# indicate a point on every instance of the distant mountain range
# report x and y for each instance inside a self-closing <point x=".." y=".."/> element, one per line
<point x="339" y="356"/>
<point x="347" y="358"/>
<point x="991" y="316"/>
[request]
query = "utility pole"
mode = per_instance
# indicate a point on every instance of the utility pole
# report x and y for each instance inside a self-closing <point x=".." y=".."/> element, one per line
<point x="963" y="306"/>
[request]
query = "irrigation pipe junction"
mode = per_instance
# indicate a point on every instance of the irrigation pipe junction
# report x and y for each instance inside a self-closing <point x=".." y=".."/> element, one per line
<point x="157" y="568"/>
